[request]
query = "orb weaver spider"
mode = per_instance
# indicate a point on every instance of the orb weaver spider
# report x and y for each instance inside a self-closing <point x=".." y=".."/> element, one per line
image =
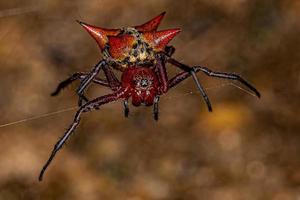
<point x="141" y="54"/>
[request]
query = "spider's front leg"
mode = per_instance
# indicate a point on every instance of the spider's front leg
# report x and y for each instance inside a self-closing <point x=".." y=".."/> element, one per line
<point x="184" y="75"/>
<point x="111" y="81"/>
<point x="94" y="104"/>
<point x="224" y="75"/>
<point x="161" y="71"/>
<point x="231" y="76"/>
<point x="87" y="80"/>
<point x="74" y="77"/>
<point x="192" y="72"/>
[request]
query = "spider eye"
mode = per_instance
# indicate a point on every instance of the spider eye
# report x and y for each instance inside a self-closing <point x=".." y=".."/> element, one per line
<point x="144" y="83"/>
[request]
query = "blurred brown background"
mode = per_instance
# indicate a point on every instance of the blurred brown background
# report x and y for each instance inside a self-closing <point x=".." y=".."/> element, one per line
<point x="246" y="149"/>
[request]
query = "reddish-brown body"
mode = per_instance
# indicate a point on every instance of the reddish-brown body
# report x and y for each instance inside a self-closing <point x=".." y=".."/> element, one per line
<point x="141" y="53"/>
<point x="141" y="84"/>
<point x="132" y="46"/>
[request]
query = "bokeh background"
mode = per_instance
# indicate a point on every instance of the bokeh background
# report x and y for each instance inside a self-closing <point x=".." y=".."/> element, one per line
<point x="248" y="148"/>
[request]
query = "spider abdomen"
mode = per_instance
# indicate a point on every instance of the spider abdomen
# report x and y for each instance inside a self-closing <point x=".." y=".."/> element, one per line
<point x="141" y="53"/>
<point x="129" y="49"/>
<point x="131" y="46"/>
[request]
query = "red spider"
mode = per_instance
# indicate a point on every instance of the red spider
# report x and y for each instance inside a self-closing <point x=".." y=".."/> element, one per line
<point x="141" y="53"/>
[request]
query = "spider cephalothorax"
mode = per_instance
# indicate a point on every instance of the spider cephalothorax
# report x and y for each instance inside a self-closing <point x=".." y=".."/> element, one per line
<point x="132" y="45"/>
<point x="141" y="53"/>
<point x="141" y="84"/>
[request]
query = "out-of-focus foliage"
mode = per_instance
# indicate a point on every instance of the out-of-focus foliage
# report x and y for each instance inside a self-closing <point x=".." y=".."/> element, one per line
<point x="246" y="149"/>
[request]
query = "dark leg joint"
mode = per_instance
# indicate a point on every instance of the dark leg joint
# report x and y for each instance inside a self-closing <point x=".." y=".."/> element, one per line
<point x="82" y="99"/>
<point x="230" y="76"/>
<point x="201" y="90"/>
<point x="170" y="50"/>
<point x="65" y="83"/>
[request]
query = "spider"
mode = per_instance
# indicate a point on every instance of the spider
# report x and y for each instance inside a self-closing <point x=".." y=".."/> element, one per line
<point x="141" y="54"/>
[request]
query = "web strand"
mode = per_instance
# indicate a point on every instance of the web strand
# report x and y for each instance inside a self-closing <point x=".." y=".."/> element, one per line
<point x="243" y="89"/>
<point x="38" y="117"/>
<point x="18" y="11"/>
<point x="76" y="107"/>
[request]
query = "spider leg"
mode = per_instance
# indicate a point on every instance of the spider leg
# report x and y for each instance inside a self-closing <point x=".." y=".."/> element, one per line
<point x="183" y="75"/>
<point x="178" y="79"/>
<point x="155" y="107"/>
<point x="94" y="104"/>
<point x="162" y="72"/>
<point x="170" y="50"/>
<point x="230" y="76"/>
<point x="192" y="72"/>
<point x="86" y="81"/>
<point x="126" y="108"/>
<point x="112" y="80"/>
<point x="74" y="77"/>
